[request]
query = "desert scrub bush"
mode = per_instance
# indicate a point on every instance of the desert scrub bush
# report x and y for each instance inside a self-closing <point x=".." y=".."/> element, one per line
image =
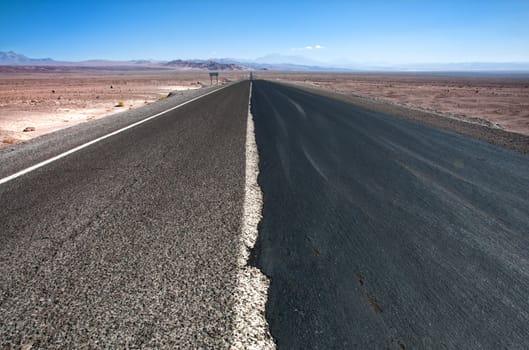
<point x="8" y="140"/>
<point x="120" y="104"/>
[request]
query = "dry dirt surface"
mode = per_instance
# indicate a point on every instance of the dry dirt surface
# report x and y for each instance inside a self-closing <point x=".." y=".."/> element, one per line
<point x="34" y="102"/>
<point x="491" y="101"/>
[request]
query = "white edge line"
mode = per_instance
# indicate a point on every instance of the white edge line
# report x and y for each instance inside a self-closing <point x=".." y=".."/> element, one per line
<point x="89" y="143"/>
<point x="250" y="328"/>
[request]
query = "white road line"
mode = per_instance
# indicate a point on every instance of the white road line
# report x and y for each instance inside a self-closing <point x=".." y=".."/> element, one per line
<point x="250" y="329"/>
<point x="89" y="143"/>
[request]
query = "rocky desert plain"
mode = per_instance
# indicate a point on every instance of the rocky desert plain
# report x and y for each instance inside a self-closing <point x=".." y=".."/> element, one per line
<point x="35" y="101"/>
<point x="38" y="100"/>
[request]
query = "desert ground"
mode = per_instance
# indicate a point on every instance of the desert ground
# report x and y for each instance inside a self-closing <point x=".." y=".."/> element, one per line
<point x="36" y="102"/>
<point x="496" y="102"/>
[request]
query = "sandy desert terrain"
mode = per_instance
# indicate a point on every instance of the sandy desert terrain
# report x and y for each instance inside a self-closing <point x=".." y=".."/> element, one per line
<point x="492" y="101"/>
<point x="42" y="102"/>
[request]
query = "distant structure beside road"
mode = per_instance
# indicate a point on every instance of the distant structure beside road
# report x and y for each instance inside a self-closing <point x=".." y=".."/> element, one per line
<point x="214" y="74"/>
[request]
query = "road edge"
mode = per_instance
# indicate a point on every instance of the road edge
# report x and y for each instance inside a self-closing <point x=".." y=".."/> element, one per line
<point x="495" y="136"/>
<point x="250" y="328"/>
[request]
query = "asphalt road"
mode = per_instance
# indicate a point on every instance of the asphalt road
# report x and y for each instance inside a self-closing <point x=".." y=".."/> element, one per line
<point x="380" y="233"/>
<point x="130" y="242"/>
<point x="376" y="232"/>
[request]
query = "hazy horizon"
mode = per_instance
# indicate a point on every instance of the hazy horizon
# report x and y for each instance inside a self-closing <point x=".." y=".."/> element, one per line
<point x="277" y="61"/>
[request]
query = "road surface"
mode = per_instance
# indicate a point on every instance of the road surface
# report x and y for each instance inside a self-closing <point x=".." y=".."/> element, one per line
<point x="132" y="241"/>
<point x="376" y="232"/>
<point x="380" y="233"/>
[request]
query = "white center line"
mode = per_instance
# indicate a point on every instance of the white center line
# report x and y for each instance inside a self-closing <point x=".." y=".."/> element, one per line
<point x="89" y="143"/>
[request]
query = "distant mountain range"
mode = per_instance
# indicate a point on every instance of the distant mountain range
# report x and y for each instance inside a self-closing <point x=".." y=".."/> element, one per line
<point x="271" y="62"/>
<point x="16" y="59"/>
<point x="11" y="57"/>
<point x="275" y="62"/>
<point x="204" y="65"/>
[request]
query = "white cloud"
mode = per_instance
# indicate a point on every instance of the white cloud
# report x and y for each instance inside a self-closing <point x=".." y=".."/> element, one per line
<point x="308" y="48"/>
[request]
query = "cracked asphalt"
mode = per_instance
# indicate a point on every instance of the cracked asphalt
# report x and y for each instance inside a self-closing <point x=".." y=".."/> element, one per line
<point x="133" y="241"/>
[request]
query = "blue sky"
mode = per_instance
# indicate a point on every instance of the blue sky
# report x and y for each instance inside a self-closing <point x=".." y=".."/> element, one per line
<point x="398" y="31"/>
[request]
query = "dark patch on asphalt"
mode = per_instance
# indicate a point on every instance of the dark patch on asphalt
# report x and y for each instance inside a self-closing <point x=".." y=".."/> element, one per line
<point x="373" y="302"/>
<point x="360" y="278"/>
<point x="418" y="236"/>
